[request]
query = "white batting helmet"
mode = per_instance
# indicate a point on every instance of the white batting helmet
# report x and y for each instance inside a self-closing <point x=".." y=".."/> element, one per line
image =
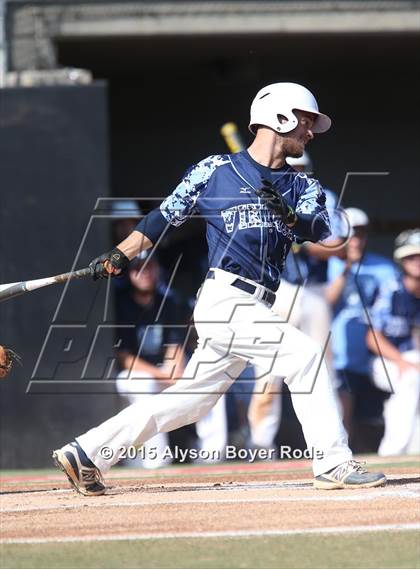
<point x="282" y="99"/>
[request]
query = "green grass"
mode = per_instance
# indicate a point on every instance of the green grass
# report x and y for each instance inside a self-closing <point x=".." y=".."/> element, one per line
<point x="382" y="550"/>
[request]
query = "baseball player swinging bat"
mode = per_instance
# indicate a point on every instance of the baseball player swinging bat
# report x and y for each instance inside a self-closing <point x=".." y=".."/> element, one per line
<point x="10" y="290"/>
<point x="255" y="206"/>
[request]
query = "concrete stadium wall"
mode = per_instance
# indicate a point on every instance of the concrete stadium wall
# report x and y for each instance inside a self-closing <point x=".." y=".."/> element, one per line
<point x="54" y="167"/>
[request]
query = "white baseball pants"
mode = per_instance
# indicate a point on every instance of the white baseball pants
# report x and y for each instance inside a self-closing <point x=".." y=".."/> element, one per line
<point x="401" y="409"/>
<point x="264" y="416"/>
<point x="139" y="387"/>
<point x="306" y="308"/>
<point x="234" y="328"/>
<point x="212" y="431"/>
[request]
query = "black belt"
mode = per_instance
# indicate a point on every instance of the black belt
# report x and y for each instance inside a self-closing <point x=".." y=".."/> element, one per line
<point x="269" y="297"/>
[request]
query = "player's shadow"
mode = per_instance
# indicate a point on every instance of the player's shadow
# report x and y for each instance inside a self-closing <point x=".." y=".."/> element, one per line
<point x="26" y="491"/>
<point x="218" y="486"/>
<point x="403" y="481"/>
<point x="226" y="486"/>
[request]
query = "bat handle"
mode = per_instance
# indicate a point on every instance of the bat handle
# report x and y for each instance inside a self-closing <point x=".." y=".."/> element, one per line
<point x="80" y="274"/>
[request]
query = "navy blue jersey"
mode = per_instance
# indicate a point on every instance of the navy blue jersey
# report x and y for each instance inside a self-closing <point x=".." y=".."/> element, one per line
<point x="150" y="329"/>
<point x="396" y="314"/>
<point x="244" y="237"/>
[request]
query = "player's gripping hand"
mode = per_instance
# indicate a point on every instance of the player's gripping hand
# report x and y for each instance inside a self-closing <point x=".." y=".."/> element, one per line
<point x="109" y="264"/>
<point x="276" y="202"/>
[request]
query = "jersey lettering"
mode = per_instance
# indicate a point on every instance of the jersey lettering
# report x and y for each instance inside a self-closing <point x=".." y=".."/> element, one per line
<point x="253" y="216"/>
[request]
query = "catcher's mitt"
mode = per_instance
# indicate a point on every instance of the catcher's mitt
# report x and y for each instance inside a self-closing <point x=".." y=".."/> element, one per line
<point x="7" y="358"/>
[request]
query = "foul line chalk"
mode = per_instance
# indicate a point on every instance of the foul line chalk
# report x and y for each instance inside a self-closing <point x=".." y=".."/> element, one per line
<point x="205" y="535"/>
<point x="408" y="494"/>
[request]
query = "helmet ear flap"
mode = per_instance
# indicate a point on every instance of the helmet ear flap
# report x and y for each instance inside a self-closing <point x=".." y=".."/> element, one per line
<point x="282" y="119"/>
<point x="287" y="122"/>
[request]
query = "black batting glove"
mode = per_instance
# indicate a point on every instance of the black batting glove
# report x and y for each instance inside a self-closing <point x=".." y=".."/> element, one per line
<point x="276" y="202"/>
<point x="116" y="259"/>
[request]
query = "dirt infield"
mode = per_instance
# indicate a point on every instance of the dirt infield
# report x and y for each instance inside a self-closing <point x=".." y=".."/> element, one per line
<point x="226" y="499"/>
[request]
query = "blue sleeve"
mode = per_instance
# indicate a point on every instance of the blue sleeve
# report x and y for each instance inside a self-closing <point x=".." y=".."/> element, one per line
<point x="335" y="268"/>
<point x="153" y="225"/>
<point x="313" y="223"/>
<point x="181" y="204"/>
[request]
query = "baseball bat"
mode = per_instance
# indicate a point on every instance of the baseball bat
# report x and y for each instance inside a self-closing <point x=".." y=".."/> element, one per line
<point x="10" y="290"/>
<point x="230" y="133"/>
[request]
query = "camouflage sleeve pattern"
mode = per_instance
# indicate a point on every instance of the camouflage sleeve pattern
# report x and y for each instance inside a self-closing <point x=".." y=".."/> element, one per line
<point x="177" y="207"/>
<point x="312" y="198"/>
<point x="314" y="223"/>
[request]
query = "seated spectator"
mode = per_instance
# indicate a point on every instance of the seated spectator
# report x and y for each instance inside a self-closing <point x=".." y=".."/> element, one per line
<point x="125" y="216"/>
<point x="394" y="340"/>
<point x="353" y="287"/>
<point x="150" y="352"/>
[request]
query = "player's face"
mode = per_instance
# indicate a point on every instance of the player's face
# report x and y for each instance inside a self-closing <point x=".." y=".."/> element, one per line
<point x="145" y="277"/>
<point x="295" y="141"/>
<point x="358" y="240"/>
<point x="411" y="266"/>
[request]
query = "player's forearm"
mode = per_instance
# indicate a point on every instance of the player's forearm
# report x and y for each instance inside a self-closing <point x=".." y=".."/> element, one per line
<point x="334" y="291"/>
<point x="379" y="345"/>
<point x="145" y="235"/>
<point x="153" y="226"/>
<point x="134" y="244"/>
<point x="324" y="251"/>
